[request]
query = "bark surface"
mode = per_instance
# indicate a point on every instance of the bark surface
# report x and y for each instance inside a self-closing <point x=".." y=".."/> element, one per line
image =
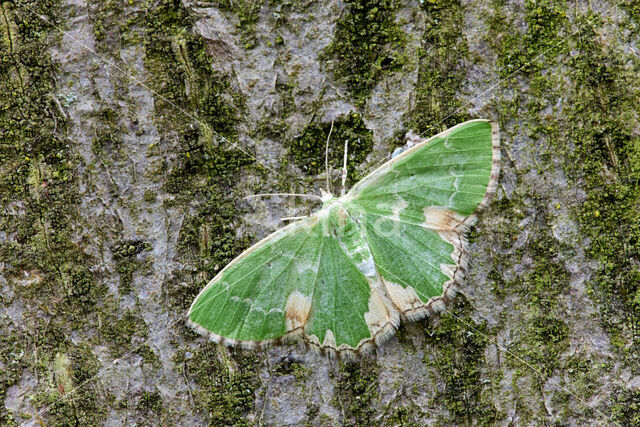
<point x="131" y="133"/>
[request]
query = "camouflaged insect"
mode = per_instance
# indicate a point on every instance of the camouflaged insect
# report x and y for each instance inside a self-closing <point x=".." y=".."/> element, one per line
<point x="342" y="279"/>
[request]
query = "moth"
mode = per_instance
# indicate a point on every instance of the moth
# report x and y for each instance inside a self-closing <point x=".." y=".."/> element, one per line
<point x="391" y="249"/>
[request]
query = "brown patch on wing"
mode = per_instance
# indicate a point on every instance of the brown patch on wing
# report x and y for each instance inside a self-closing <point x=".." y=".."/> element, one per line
<point x="405" y="298"/>
<point x="438" y="218"/>
<point x="297" y="310"/>
<point x="451" y="227"/>
<point x="380" y="314"/>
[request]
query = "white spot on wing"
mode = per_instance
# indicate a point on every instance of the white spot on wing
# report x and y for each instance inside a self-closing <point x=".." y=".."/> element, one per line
<point x="450" y="226"/>
<point x="404" y="298"/>
<point x="395" y="211"/>
<point x="303" y="267"/>
<point x="381" y="312"/>
<point x="448" y="270"/>
<point x="368" y="267"/>
<point x="329" y="339"/>
<point x="297" y="310"/>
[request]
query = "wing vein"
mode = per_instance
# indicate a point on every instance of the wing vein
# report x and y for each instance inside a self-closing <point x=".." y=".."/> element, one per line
<point x="408" y="191"/>
<point x="410" y="258"/>
<point x="285" y="268"/>
<point x="210" y="299"/>
<point x="407" y="285"/>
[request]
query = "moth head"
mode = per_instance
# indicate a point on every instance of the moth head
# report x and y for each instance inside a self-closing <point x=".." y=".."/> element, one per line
<point x="325" y="196"/>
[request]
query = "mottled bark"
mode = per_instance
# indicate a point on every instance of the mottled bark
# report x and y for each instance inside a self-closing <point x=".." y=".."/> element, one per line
<point x="130" y="133"/>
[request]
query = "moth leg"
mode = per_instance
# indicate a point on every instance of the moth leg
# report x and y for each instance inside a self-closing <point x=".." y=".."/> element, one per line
<point x="294" y="218"/>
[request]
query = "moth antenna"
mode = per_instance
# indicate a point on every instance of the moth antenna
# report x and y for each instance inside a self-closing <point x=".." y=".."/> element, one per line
<point x="294" y="218"/>
<point x="326" y="156"/>
<point x="344" y="165"/>
<point x="311" y="196"/>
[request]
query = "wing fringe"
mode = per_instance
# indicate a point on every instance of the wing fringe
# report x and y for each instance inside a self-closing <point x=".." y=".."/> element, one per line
<point x="366" y="347"/>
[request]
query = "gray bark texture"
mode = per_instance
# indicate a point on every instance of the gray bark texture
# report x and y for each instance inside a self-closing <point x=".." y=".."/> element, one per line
<point x="132" y="131"/>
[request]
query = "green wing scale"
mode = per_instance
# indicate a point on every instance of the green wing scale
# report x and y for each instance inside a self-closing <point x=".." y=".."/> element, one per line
<point x="392" y="248"/>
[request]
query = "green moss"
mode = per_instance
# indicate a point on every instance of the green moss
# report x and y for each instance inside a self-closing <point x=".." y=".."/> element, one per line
<point x="182" y="75"/>
<point x="119" y="332"/>
<point x="456" y="347"/>
<point x="205" y="169"/>
<point x="13" y="348"/>
<point x="308" y="149"/>
<point x="583" y="376"/>
<point x="196" y="104"/>
<point x="601" y="124"/>
<point x="42" y="254"/>
<point x="150" y="402"/>
<point x="105" y="18"/>
<point x="357" y="389"/>
<point x="633" y="11"/>
<point x="148" y="356"/>
<point x="248" y="14"/>
<point x="108" y="140"/>
<point x="442" y="62"/>
<point x="539" y="344"/>
<point x="530" y="52"/>
<point x="71" y="398"/>
<point x="594" y="132"/>
<point x="289" y="366"/>
<point x="311" y="416"/>
<point x="150" y="197"/>
<point x="580" y="119"/>
<point x="226" y="387"/>
<point x="126" y="256"/>
<point x="367" y="43"/>
<point x="625" y="408"/>
<point x="209" y="241"/>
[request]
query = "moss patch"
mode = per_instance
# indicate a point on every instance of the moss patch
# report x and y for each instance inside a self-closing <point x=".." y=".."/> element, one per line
<point x="594" y="131"/>
<point x="542" y="336"/>
<point x="198" y="108"/>
<point x="602" y="126"/>
<point x="290" y="366"/>
<point x="204" y="169"/>
<point x="182" y="74"/>
<point x="357" y="389"/>
<point x="119" y="332"/>
<point x="226" y="386"/>
<point x="70" y="397"/>
<point x="13" y="348"/>
<point x="42" y="259"/>
<point x="626" y="408"/>
<point x="584" y="117"/>
<point x="367" y="43"/>
<point x="308" y="149"/>
<point x="442" y="61"/>
<point x="126" y="255"/>
<point x="248" y="14"/>
<point x="456" y="352"/>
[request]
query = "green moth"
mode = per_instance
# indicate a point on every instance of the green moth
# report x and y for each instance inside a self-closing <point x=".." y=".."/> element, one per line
<point x="342" y="279"/>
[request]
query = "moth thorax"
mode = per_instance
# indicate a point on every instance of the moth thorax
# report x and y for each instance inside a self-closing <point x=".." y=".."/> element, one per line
<point x="326" y="197"/>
